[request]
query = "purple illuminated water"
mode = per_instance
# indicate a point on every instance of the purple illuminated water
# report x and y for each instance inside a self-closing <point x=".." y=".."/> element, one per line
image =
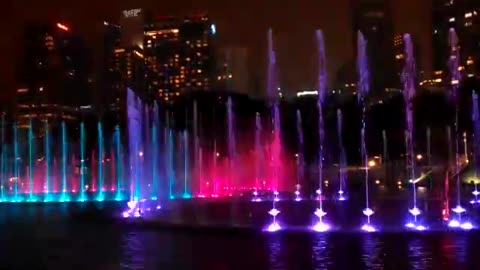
<point x="322" y="84"/>
<point x="363" y="87"/>
<point x="343" y="158"/>
<point x="408" y="80"/>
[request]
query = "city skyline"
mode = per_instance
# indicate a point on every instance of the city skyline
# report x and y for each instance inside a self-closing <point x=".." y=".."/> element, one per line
<point x="239" y="24"/>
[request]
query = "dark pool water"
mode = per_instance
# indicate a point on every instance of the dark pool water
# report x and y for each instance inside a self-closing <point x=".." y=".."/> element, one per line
<point x="51" y="237"/>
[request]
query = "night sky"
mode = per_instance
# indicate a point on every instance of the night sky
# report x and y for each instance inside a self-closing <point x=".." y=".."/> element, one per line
<point x="242" y="23"/>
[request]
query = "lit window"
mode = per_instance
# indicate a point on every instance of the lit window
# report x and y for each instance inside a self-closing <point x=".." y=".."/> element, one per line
<point x="452" y="19"/>
<point x="199" y="71"/>
<point x="468" y="15"/>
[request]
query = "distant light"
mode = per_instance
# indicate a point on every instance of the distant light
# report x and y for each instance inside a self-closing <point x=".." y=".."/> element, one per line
<point x="140" y="154"/>
<point x="213" y="29"/>
<point x="372" y="163"/>
<point x="307" y="93"/>
<point x="452" y="19"/>
<point x="63" y="27"/>
<point x="419" y="157"/>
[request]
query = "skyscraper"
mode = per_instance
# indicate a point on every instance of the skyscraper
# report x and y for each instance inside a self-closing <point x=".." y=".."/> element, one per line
<point x="54" y="75"/>
<point x="464" y="17"/>
<point x="374" y="19"/>
<point x="180" y="56"/>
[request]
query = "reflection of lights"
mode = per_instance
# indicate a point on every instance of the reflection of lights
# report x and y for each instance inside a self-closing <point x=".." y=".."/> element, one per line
<point x="340" y="192"/>
<point x="368" y="228"/>
<point x="421" y="228"/>
<point x="414" y="211"/>
<point x="275" y="193"/>
<point x="410" y="225"/>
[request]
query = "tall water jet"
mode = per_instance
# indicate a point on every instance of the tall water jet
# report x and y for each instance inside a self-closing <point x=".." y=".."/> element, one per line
<point x="31" y="156"/>
<point x="343" y="159"/>
<point x="363" y="87"/>
<point x="47" y="187"/>
<point x="100" y="196"/>
<point x="258" y="155"/>
<point x="453" y="65"/>
<point x="82" y="162"/>
<point x="186" y="191"/>
<point x="3" y="161"/>
<point x="119" y="165"/>
<point x="16" y="166"/>
<point x="476" y="145"/>
<point x="196" y="148"/>
<point x="64" y="162"/>
<point x="232" y="151"/>
<point x="408" y="80"/>
<point x="320" y="226"/>
<point x="155" y="154"/>
<point x="299" y="156"/>
<point x="274" y="226"/>
<point x="170" y="160"/>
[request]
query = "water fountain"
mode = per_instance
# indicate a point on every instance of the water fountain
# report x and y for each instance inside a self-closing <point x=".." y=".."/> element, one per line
<point x="408" y="79"/>
<point x="343" y="159"/>
<point x="299" y="156"/>
<point x="455" y="81"/>
<point x="274" y="226"/>
<point x="363" y="86"/>
<point x="258" y="156"/>
<point x="476" y="145"/>
<point x="321" y="226"/>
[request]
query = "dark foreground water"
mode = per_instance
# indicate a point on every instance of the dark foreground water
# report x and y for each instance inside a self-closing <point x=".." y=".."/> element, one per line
<point x="59" y="237"/>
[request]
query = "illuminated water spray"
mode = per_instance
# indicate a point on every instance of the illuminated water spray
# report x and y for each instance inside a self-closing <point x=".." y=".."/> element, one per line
<point x="258" y="156"/>
<point x="453" y="65"/>
<point x="82" y="162"/>
<point x="343" y="158"/>
<point x="186" y="190"/>
<point x="274" y="226"/>
<point x="476" y="145"/>
<point x="320" y="226"/>
<point x="16" y="166"/>
<point x="31" y="156"/>
<point x="299" y="156"/>
<point x="363" y="86"/>
<point x="64" y="162"/>
<point x="408" y="80"/>
<point x="119" y="165"/>
<point x="232" y="150"/>
<point x="46" y="187"/>
<point x="100" y="196"/>
<point x="3" y="161"/>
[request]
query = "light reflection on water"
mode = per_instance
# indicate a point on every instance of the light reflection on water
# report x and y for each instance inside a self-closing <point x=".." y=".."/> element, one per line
<point x="321" y="252"/>
<point x="275" y="255"/>
<point x="419" y="254"/>
<point x="372" y="252"/>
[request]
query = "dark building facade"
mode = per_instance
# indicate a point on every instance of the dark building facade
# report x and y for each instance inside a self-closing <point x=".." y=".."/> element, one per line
<point x="179" y="55"/>
<point x="374" y="19"/>
<point x="54" y="80"/>
<point x="464" y="17"/>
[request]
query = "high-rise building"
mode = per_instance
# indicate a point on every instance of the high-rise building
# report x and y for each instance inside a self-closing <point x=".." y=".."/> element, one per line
<point x="464" y="17"/>
<point x="123" y="60"/>
<point x="233" y="70"/>
<point x="179" y="55"/>
<point x="54" y="80"/>
<point x="374" y="19"/>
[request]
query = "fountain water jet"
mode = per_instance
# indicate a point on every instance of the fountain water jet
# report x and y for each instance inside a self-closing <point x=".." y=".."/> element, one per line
<point x="455" y="81"/>
<point x="363" y="86"/>
<point x="343" y="159"/>
<point x="300" y="156"/>
<point x="476" y="145"/>
<point x="320" y="226"/>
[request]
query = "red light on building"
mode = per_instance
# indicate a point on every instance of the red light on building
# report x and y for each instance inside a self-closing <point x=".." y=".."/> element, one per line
<point x="62" y="26"/>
